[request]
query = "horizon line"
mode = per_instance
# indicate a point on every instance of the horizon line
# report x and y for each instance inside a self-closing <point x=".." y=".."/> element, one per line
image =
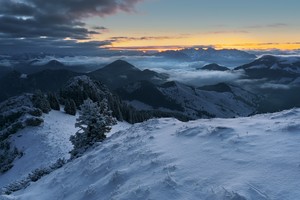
<point x="243" y="46"/>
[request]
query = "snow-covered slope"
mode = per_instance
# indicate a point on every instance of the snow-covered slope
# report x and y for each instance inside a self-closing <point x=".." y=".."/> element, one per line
<point x="231" y="102"/>
<point x="44" y="145"/>
<point x="230" y="159"/>
<point x="273" y="67"/>
<point x="41" y="146"/>
<point x="221" y="100"/>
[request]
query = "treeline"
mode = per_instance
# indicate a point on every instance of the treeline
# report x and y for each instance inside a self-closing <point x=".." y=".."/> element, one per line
<point x="81" y="88"/>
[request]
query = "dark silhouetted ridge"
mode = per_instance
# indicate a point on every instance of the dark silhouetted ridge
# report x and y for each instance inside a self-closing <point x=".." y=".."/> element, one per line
<point x="214" y="67"/>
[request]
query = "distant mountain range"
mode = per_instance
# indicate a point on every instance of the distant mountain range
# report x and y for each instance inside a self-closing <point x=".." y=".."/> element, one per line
<point x="269" y="84"/>
<point x="211" y="54"/>
<point x="227" y="57"/>
<point x="176" y="55"/>
<point x="28" y="65"/>
<point x="275" y="77"/>
<point x="32" y="63"/>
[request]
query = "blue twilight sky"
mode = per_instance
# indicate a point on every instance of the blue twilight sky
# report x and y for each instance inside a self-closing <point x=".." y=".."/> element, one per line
<point x="149" y="24"/>
<point x="204" y="22"/>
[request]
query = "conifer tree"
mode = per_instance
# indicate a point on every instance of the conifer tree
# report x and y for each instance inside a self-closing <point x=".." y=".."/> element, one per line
<point x="94" y="121"/>
<point x="70" y="107"/>
<point x="54" y="103"/>
<point x="40" y="101"/>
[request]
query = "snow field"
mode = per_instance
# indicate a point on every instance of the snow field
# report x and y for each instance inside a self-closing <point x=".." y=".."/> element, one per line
<point x="41" y="145"/>
<point x="232" y="159"/>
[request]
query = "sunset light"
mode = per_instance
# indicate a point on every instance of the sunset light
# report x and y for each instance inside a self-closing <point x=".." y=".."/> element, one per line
<point x="149" y="99"/>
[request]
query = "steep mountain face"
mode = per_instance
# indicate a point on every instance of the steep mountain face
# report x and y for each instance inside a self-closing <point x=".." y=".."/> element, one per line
<point x="212" y="101"/>
<point x="214" y="67"/>
<point x="120" y="73"/>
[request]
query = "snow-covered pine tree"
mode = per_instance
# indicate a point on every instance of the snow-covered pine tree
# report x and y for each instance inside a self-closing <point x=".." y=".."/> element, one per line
<point x="94" y="121"/>
<point x="70" y="107"/>
<point x="53" y="100"/>
<point x="40" y="101"/>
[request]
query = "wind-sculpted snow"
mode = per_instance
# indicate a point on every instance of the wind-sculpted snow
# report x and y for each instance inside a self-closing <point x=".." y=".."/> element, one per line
<point x="223" y="159"/>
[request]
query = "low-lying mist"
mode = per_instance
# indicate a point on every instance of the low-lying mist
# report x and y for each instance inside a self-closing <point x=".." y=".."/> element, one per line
<point x="183" y="71"/>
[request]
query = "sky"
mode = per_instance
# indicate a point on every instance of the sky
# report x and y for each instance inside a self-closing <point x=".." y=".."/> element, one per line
<point x="93" y="25"/>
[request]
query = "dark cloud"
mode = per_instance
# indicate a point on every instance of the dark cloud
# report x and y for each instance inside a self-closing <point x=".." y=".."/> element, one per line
<point x="16" y="8"/>
<point x="99" y="28"/>
<point x="85" y="8"/>
<point x="57" y="19"/>
<point x="12" y="27"/>
<point x="51" y="45"/>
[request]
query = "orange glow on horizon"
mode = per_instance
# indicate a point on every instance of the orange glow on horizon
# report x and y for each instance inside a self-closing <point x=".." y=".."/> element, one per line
<point x="175" y="42"/>
<point x="245" y="46"/>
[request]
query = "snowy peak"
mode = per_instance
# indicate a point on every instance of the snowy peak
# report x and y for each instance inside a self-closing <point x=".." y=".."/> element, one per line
<point x="175" y="55"/>
<point x="211" y="54"/>
<point x="285" y="63"/>
<point x="281" y="69"/>
<point x="224" y="52"/>
<point x="227" y="57"/>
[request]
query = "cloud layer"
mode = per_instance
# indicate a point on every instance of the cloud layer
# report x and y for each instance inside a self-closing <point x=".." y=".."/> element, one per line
<point x="55" y="19"/>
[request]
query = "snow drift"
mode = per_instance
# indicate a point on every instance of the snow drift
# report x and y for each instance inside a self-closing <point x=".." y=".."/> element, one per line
<point x="244" y="158"/>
